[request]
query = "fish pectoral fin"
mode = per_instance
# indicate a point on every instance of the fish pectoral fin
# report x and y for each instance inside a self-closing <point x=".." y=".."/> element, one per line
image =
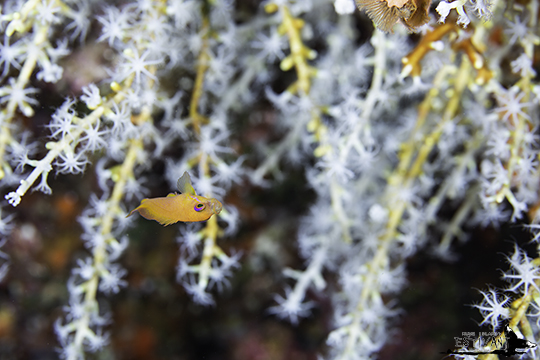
<point x="149" y="215"/>
<point x="151" y="210"/>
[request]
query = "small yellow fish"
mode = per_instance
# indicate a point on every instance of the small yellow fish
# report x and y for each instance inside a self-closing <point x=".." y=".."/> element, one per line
<point x="186" y="207"/>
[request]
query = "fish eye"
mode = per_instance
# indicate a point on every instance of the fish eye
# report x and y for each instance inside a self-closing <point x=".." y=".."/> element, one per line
<point x="199" y="207"/>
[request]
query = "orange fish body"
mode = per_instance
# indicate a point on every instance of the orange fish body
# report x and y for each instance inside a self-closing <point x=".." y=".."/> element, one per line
<point x="185" y="207"/>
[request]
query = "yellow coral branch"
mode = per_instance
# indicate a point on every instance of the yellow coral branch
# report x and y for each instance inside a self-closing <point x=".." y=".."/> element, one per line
<point x="202" y="66"/>
<point x="397" y="206"/>
<point x="100" y="250"/>
<point x="300" y="53"/>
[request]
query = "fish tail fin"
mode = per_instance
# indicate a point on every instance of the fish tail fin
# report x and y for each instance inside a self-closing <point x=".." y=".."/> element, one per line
<point x="132" y="211"/>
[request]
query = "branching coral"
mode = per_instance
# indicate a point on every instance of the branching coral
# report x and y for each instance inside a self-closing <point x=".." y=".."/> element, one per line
<point x="403" y="142"/>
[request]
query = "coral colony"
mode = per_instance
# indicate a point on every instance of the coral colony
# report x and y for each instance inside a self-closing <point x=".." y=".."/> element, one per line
<point x="387" y="127"/>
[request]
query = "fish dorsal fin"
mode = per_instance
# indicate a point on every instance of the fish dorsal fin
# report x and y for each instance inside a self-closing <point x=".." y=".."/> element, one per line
<point x="184" y="185"/>
<point x="172" y="194"/>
